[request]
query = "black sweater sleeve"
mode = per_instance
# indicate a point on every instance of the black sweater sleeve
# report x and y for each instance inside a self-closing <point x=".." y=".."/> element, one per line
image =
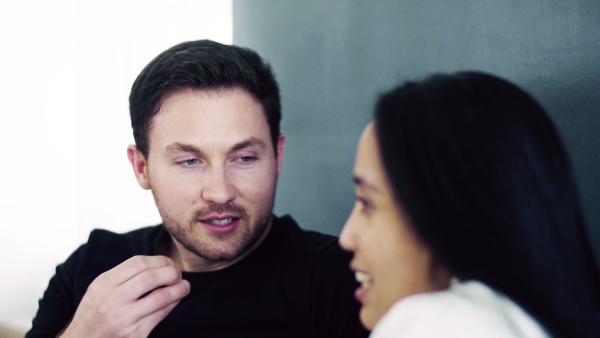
<point x="103" y="251"/>
<point x="57" y="306"/>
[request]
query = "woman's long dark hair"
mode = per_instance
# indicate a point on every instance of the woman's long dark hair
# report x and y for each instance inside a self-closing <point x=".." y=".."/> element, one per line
<point x="483" y="174"/>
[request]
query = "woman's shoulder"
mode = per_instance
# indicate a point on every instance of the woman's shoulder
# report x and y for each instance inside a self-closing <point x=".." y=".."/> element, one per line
<point x="468" y="309"/>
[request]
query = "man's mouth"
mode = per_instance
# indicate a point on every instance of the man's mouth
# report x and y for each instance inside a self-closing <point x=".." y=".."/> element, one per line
<point x="220" y="221"/>
<point x="221" y="224"/>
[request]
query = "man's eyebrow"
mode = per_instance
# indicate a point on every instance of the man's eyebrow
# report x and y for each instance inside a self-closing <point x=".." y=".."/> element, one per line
<point x="251" y="142"/>
<point x="358" y="181"/>
<point x="188" y="148"/>
<point x="182" y="147"/>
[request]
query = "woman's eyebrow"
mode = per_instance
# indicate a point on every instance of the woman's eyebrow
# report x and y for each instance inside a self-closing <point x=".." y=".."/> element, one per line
<point x="359" y="181"/>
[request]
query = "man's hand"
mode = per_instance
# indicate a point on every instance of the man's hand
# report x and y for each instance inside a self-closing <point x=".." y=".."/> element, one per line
<point x="130" y="299"/>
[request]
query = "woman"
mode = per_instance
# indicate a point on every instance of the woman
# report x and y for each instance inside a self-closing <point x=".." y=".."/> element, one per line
<point x="464" y="176"/>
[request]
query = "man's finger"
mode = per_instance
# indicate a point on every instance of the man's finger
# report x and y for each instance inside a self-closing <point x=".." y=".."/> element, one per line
<point x="159" y="299"/>
<point x="132" y="267"/>
<point x="149" y="280"/>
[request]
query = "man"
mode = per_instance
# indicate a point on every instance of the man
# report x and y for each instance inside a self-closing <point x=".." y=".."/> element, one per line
<point x="205" y="119"/>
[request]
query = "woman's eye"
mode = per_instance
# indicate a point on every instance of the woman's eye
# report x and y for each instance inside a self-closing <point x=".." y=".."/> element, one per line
<point x="365" y="206"/>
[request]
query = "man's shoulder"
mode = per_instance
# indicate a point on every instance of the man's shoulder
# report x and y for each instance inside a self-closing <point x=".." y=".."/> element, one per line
<point x="145" y="234"/>
<point x="318" y="271"/>
<point x="106" y="248"/>
<point x="314" y="243"/>
<point x="103" y="251"/>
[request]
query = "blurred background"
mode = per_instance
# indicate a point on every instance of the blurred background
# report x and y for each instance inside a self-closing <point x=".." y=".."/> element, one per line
<point x="67" y="66"/>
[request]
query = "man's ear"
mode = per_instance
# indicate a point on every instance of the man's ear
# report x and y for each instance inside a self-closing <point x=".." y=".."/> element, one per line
<point x="139" y="165"/>
<point x="280" y="153"/>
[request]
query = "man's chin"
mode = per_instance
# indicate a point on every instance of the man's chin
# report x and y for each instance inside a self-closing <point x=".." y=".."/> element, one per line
<point x="220" y="256"/>
<point x="213" y="250"/>
<point x="231" y="249"/>
<point x="215" y="247"/>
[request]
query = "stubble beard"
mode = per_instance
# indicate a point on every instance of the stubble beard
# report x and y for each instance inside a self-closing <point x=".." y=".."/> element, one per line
<point x="218" y="247"/>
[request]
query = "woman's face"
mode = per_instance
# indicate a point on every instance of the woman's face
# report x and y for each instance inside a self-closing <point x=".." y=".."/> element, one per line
<point x="390" y="262"/>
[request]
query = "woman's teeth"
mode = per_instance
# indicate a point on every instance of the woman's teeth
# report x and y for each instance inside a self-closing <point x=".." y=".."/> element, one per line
<point x="221" y="221"/>
<point x="363" y="278"/>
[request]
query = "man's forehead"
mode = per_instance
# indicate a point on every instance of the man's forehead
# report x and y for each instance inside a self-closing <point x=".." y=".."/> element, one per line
<point x="210" y="104"/>
<point x="211" y="119"/>
<point x="204" y="93"/>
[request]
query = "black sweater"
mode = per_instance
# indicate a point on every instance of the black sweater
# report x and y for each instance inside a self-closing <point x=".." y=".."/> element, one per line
<point x="295" y="284"/>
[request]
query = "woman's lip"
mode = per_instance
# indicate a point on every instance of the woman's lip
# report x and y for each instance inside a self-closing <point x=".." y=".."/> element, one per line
<point x="354" y="267"/>
<point x="361" y="292"/>
<point x="365" y="282"/>
<point x="363" y="288"/>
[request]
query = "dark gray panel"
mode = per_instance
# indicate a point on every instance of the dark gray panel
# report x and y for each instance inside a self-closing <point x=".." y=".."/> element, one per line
<point x="333" y="57"/>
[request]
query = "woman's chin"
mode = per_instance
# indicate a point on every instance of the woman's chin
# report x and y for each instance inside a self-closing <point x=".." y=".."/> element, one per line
<point x="368" y="318"/>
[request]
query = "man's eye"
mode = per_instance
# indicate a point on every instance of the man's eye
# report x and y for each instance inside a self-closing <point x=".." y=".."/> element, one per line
<point x="191" y="161"/>
<point x="247" y="159"/>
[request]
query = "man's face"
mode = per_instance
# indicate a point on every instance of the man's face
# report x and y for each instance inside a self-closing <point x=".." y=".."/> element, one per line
<point x="212" y="169"/>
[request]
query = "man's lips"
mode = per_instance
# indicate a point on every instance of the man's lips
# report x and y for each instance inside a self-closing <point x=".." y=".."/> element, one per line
<point x="224" y="221"/>
<point x="220" y="212"/>
<point x="220" y="219"/>
<point x="221" y="224"/>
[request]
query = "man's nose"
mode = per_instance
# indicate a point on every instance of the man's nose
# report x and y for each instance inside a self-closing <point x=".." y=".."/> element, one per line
<point x="218" y="188"/>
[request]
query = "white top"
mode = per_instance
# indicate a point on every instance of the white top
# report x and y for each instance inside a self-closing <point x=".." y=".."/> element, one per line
<point x="466" y="310"/>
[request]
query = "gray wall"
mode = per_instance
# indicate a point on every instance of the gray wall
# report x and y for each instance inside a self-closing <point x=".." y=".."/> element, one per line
<point x="333" y="57"/>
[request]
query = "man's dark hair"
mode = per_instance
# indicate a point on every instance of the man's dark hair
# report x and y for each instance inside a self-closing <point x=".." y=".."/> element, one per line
<point x="481" y="170"/>
<point x="201" y="65"/>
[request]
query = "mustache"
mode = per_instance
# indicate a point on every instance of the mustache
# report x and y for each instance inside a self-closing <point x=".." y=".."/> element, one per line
<point x="212" y="209"/>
